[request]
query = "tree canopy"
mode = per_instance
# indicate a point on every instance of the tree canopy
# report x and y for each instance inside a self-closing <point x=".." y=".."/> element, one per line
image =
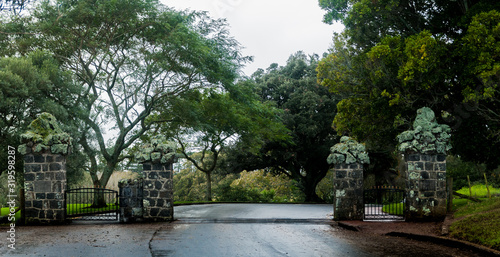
<point x="308" y="110"/>
<point x="211" y="120"/>
<point x="396" y="56"/>
<point x="126" y="56"/>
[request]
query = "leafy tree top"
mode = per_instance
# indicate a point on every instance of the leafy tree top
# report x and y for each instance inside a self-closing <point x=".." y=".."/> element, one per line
<point x="348" y="151"/>
<point x="427" y="135"/>
<point x="44" y="133"/>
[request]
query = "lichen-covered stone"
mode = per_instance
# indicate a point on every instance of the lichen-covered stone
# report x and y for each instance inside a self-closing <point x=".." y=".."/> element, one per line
<point x="45" y="134"/>
<point x="159" y="151"/>
<point x="348" y="151"/>
<point x="427" y="135"/>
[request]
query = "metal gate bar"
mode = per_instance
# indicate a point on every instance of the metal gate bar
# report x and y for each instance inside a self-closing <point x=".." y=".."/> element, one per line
<point x="384" y="203"/>
<point x="91" y="204"/>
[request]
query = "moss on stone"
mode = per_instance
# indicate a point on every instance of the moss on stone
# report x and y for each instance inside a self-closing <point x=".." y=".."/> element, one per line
<point x="45" y="134"/>
<point x="159" y="150"/>
<point x="348" y="151"/>
<point x="427" y="136"/>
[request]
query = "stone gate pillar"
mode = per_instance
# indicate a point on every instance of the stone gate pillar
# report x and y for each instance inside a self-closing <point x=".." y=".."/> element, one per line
<point x="425" y="186"/>
<point x="157" y="161"/>
<point x="424" y="149"/>
<point x="131" y="193"/>
<point x="45" y="148"/>
<point x="348" y="157"/>
<point x="348" y="192"/>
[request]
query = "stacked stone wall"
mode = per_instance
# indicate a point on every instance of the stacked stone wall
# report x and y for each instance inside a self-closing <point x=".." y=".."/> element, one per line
<point x="45" y="182"/>
<point x="131" y="199"/>
<point x="425" y="186"/>
<point x="348" y="192"/>
<point x="158" y="191"/>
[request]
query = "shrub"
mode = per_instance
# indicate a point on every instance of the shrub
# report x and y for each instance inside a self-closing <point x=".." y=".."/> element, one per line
<point x="324" y="189"/>
<point x="271" y="188"/>
<point x="459" y="170"/>
<point x="255" y="186"/>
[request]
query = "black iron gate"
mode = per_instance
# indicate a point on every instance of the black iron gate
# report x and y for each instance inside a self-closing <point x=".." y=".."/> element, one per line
<point x="91" y="204"/>
<point x="384" y="203"/>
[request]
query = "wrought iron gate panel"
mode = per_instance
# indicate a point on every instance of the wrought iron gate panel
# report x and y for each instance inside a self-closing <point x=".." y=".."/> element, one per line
<point x="91" y="204"/>
<point x="384" y="203"/>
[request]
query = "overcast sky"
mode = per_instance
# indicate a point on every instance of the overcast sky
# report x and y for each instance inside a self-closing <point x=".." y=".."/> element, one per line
<point x="269" y="30"/>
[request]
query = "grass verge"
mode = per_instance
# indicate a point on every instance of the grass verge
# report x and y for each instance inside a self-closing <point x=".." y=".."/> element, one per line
<point x="5" y="212"/>
<point x="480" y="224"/>
<point x="479" y="191"/>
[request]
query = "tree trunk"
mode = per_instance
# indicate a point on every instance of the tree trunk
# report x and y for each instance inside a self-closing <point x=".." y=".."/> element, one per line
<point x="309" y="188"/>
<point x="99" y="199"/>
<point x="209" y="186"/>
<point x="311" y="195"/>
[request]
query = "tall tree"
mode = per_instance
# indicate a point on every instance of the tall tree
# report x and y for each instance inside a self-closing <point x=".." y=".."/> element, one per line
<point x="126" y="56"/>
<point x="396" y="56"/>
<point x="28" y="86"/>
<point x="206" y="122"/>
<point x="308" y="110"/>
<point x="14" y="6"/>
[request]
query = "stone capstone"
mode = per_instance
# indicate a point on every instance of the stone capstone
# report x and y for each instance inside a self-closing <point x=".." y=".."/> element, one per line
<point x="44" y="134"/>
<point x="348" y="151"/>
<point x="427" y="136"/>
<point x="159" y="150"/>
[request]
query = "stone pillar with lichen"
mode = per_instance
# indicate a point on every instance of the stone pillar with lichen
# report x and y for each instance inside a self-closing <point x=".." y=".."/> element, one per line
<point x="424" y="149"/>
<point x="45" y="147"/>
<point x="348" y="158"/>
<point x="157" y="160"/>
<point x="131" y="193"/>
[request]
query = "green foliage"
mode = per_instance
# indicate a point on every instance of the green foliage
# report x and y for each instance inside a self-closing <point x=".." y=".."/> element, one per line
<point x="227" y="193"/>
<point x="306" y="110"/>
<point x="127" y="58"/>
<point x="459" y="169"/>
<point x="31" y="85"/>
<point x="324" y="189"/>
<point x="270" y="188"/>
<point x="216" y="119"/>
<point x="336" y="10"/>
<point x="473" y="208"/>
<point x="256" y="186"/>
<point x="482" y="47"/>
<point x="481" y="227"/>
<point x="189" y="186"/>
<point x="396" y="56"/>
<point x="480" y="191"/>
<point x="4" y="189"/>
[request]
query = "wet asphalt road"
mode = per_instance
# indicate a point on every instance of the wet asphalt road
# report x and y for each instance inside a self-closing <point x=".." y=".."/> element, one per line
<point x="252" y="230"/>
<point x="200" y="230"/>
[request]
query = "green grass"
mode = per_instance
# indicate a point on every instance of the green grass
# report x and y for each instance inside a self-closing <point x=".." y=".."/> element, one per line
<point x="394" y="209"/>
<point x="474" y="208"/>
<point x="479" y="191"/>
<point x="481" y="225"/>
<point x="5" y="212"/>
<point x="84" y="208"/>
<point x="71" y="209"/>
